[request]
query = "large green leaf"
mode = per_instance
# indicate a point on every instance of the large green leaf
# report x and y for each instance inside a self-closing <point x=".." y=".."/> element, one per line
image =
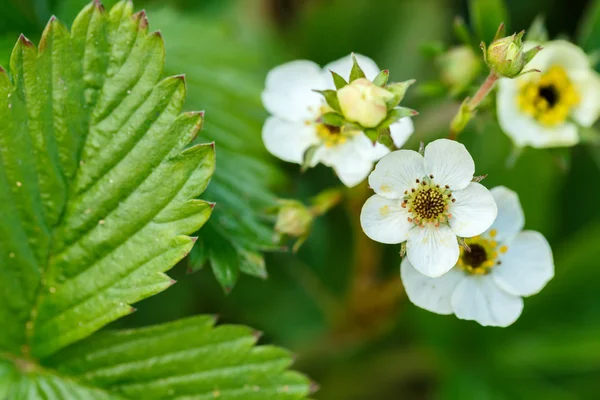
<point x="184" y="358"/>
<point x="96" y="182"/>
<point x="225" y="71"/>
<point x="98" y="187"/>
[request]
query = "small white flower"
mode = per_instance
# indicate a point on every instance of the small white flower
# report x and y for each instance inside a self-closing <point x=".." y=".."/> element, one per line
<point x="487" y="284"/>
<point x="427" y="202"/>
<point x="295" y="108"/>
<point x="544" y="109"/>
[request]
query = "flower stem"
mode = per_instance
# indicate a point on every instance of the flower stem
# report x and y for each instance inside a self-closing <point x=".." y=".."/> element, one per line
<point x="483" y="91"/>
<point x="469" y="106"/>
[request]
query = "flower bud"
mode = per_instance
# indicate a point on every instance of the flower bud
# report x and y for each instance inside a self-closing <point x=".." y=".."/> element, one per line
<point x="294" y="219"/>
<point x="363" y="102"/>
<point x="459" y="67"/>
<point x="506" y="56"/>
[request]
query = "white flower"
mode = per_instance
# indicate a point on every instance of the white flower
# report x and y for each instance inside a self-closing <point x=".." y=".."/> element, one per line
<point x="544" y="109"/>
<point x="427" y="202"/>
<point x="487" y="284"/>
<point x="295" y="108"/>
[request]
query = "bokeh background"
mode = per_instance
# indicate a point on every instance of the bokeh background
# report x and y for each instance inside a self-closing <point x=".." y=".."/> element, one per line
<point x="338" y="304"/>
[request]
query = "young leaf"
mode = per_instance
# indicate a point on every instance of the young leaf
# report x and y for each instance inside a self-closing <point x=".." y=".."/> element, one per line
<point x="97" y="181"/>
<point x="486" y="17"/>
<point x="588" y="35"/>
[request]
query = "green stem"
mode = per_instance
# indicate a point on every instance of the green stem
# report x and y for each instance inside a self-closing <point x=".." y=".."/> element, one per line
<point x="469" y="106"/>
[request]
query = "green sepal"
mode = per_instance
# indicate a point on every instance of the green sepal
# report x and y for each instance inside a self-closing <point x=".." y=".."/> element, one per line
<point x="309" y="154"/>
<point x="385" y="138"/>
<point x="338" y="80"/>
<point x="382" y="78"/>
<point x="333" y="119"/>
<point x="399" y="90"/>
<point x="331" y="99"/>
<point x="372" y="134"/>
<point x="356" y="72"/>
<point x="395" y="115"/>
<point x="500" y="32"/>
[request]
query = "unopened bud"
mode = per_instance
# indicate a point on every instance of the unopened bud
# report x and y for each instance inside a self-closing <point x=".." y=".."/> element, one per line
<point x="506" y="56"/>
<point x="294" y="219"/>
<point x="363" y="102"/>
<point x="459" y="67"/>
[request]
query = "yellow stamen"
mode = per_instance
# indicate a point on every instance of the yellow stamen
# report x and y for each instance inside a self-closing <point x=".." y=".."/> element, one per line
<point x="549" y="98"/>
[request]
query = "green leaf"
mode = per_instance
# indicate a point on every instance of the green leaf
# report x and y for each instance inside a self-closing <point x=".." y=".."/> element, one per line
<point x="399" y="90"/>
<point x="588" y="35"/>
<point x="226" y="75"/>
<point x="486" y="17"/>
<point x="99" y="186"/>
<point x="189" y="357"/>
<point x="96" y="178"/>
<point x="395" y="115"/>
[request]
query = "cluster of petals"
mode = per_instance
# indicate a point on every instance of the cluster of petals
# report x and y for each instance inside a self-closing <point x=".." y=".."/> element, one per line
<point x="432" y="247"/>
<point x="295" y="108"/>
<point x="494" y="298"/>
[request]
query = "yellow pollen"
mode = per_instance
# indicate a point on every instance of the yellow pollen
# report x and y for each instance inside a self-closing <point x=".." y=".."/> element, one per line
<point x="427" y="202"/>
<point x="385" y="210"/>
<point x="549" y="98"/>
<point x="483" y="256"/>
<point x="332" y="135"/>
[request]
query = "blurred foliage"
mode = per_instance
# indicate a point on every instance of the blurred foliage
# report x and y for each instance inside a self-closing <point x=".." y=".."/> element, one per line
<point x="338" y="303"/>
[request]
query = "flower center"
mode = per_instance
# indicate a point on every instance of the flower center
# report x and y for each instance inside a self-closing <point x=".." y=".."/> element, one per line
<point x="332" y="135"/>
<point x="483" y="254"/>
<point x="428" y="202"/>
<point x="550" y="98"/>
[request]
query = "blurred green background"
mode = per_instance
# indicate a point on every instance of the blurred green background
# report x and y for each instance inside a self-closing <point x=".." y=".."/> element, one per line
<point x="338" y="304"/>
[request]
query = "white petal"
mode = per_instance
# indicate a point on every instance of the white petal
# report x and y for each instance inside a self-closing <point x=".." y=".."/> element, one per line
<point x="450" y="163"/>
<point x="510" y="219"/>
<point x="523" y="129"/>
<point x="401" y="131"/>
<point x="384" y="220"/>
<point x="477" y="298"/>
<point x="559" y="52"/>
<point x="288" y="140"/>
<point x="474" y="210"/>
<point x="527" y="265"/>
<point x="433" y="251"/>
<point x="370" y="151"/>
<point x="289" y="90"/>
<point x="343" y="66"/>
<point x="348" y="161"/>
<point x="588" y="86"/>
<point x="431" y="294"/>
<point x="396" y="173"/>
